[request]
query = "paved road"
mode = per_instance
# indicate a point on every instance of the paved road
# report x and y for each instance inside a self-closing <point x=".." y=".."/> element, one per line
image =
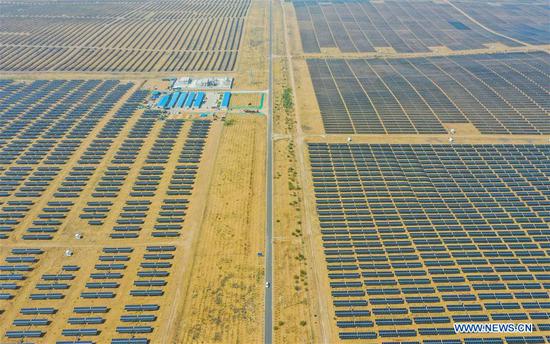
<point x="268" y="304"/>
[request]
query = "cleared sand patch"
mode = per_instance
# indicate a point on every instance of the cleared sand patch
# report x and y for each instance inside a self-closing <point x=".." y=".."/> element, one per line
<point x="251" y="67"/>
<point x="311" y="120"/>
<point x="462" y="128"/>
<point x="386" y="50"/>
<point x="223" y="303"/>
<point x="441" y="49"/>
<point x="246" y="101"/>
<point x="330" y="51"/>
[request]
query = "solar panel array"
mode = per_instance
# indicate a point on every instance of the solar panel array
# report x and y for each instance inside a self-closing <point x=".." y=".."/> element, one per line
<point x="44" y="123"/>
<point x="94" y="297"/>
<point x="129" y="184"/>
<point x="418" y="237"/>
<point x="526" y="21"/>
<point x="179" y="186"/>
<point x="119" y="36"/>
<point x="405" y="26"/>
<point x="497" y="93"/>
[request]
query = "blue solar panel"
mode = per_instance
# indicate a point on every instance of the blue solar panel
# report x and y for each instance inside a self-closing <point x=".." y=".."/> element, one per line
<point x="181" y="99"/>
<point x="190" y="100"/>
<point x="199" y="99"/>
<point x="173" y="100"/>
<point x="225" y="100"/>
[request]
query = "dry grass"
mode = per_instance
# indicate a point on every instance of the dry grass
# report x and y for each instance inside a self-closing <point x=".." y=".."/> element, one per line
<point x="246" y="100"/>
<point x="310" y="113"/>
<point x="223" y="302"/>
<point x="295" y="320"/>
<point x="251" y="70"/>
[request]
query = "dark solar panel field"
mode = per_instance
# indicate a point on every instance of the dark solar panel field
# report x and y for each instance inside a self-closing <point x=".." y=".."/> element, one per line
<point x="527" y="21"/>
<point x="117" y="36"/>
<point x="497" y="93"/>
<point x="405" y="26"/>
<point x="418" y="237"/>
<point x="78" y="157"/>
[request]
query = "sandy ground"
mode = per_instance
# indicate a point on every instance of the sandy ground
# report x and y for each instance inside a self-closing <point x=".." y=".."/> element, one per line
<point x="458" y="138"/>
<point x="296" y="313"/>
<point x="245" y="100"/>
<point x="215" y="290"/>
<point x="223" y="302"/>
<point x="223" y="298"/>
<point x="251" y="67"/>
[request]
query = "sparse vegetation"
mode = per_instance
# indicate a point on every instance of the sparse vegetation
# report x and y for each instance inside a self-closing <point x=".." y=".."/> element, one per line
<point x="287" y="99"/>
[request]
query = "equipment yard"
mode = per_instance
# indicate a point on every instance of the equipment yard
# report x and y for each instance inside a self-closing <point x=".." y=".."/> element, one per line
<point x="269" y="171"/>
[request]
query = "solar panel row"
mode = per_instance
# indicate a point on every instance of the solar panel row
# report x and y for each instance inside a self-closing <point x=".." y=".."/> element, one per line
<point x="171" y="216"/>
